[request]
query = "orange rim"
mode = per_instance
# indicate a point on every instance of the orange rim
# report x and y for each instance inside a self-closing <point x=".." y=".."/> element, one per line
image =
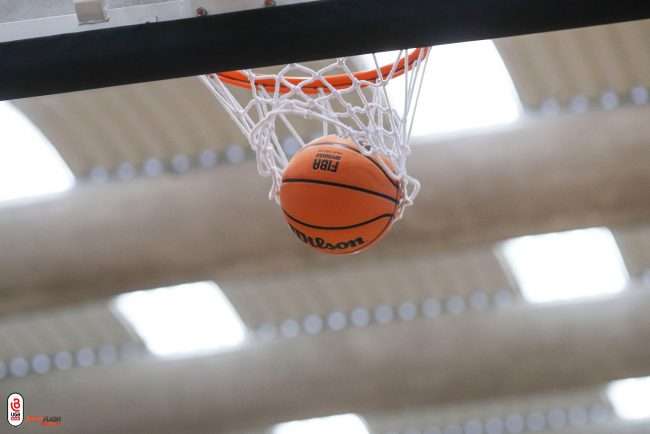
<point x="337" y="81"/>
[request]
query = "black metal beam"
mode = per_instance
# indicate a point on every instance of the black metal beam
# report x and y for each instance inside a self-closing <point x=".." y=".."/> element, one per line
<point x="278" y="35"/>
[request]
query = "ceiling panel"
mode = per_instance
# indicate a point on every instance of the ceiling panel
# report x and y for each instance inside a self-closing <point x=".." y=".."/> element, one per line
<point x="90" y="327"/>
<point x="459" y="281"/>
<point x="586" y="62"/>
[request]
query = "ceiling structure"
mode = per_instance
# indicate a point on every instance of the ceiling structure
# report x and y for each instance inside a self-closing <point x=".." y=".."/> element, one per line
<point x="164" y="195"/>
<point x="537" y="177"/>
<point x="519" y="351"/>
<point x="117" y="128"/>
<point x="601" y="66"/>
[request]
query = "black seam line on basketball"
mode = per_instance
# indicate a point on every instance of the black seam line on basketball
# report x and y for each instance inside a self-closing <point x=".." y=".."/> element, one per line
<point x="336" y="184"/>
<point x="381" y="234"/>
<point x="391" y="180"/>
<point x="336" y="228"/>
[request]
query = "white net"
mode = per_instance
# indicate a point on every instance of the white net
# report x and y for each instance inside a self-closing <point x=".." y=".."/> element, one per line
<point x="374" y="108"/>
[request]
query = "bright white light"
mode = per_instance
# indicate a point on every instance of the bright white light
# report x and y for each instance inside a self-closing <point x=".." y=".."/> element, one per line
<point x="183" y="320"/>
<point x="466" y="86"/>
<point x="566" y="265"/>
<point x="631" y="398"/>
<point x="340" y="424"/>
<point x="29" y="164"/>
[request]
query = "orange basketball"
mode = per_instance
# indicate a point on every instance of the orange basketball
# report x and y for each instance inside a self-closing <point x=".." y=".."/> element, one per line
<point x="336" y="199"/>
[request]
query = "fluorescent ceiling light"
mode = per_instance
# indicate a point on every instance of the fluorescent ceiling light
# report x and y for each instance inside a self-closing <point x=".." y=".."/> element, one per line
<point x="466" y="86"/>
<point x="183" y="320"/>
<point x="29" y="164"/>
<point x="339" y="424"/>
<point x="631" y="398"/>
<point x="566" y="265"/>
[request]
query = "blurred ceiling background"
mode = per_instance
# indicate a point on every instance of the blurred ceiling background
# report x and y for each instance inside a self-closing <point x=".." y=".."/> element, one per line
<point x="510" y="299"/>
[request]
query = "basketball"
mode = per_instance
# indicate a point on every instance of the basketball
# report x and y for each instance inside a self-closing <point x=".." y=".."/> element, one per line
<point x="336" y="199"/>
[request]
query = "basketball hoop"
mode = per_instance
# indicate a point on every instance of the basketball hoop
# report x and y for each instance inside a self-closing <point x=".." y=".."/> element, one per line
<point x="333" y="100"/>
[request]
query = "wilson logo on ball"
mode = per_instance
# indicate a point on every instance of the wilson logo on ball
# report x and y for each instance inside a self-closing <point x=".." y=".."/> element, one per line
<point x="320" y="243"/>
